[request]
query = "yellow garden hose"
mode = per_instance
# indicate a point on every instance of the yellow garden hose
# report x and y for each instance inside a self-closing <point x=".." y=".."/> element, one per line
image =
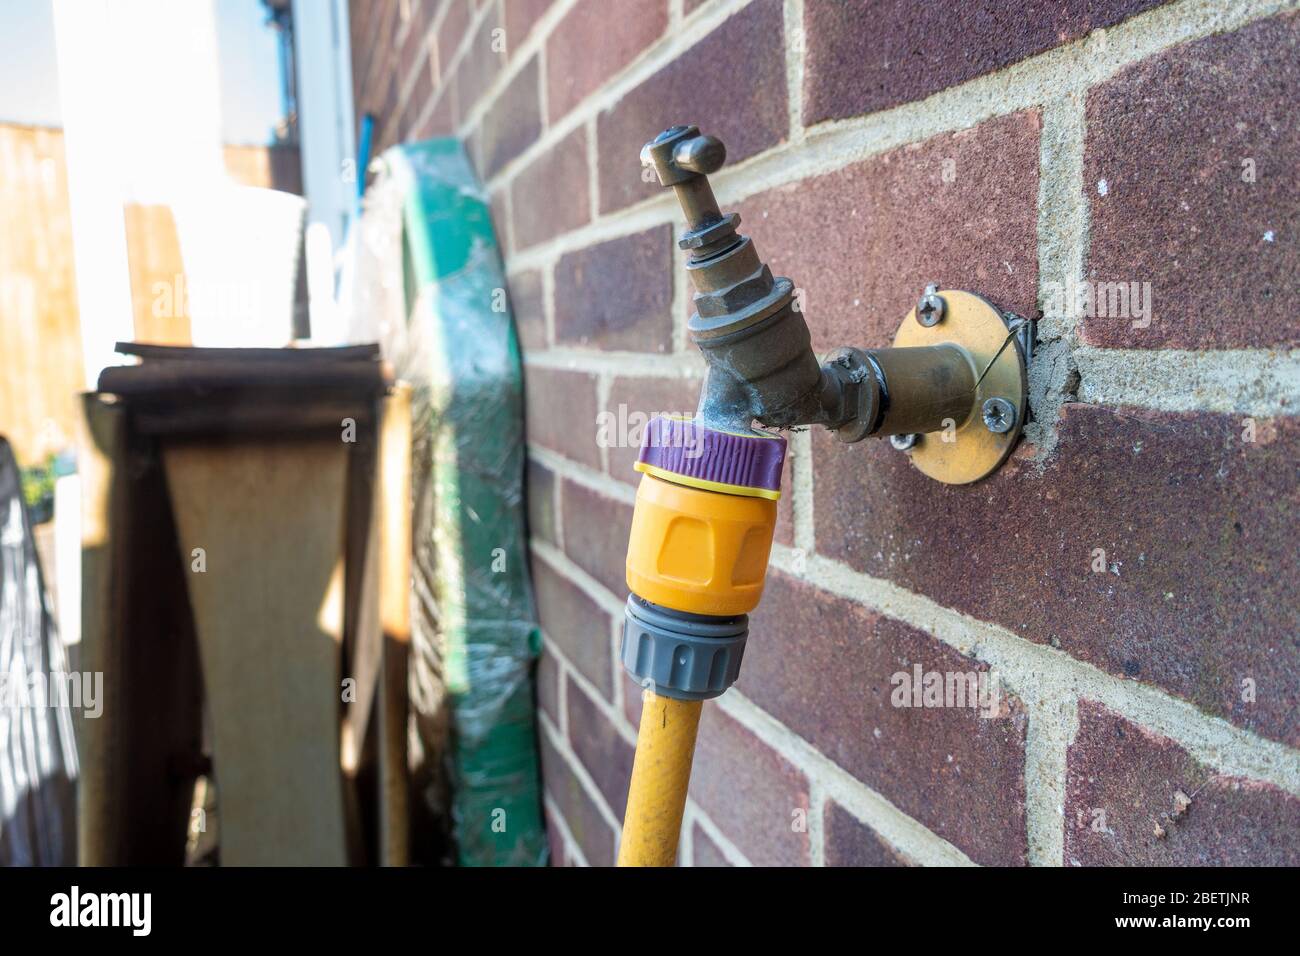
<point x="697" y="556"/>
<point x="660" y="775"/>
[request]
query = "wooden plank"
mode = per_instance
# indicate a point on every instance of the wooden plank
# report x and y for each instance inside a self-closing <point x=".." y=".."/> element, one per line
<point x="361" y="638"/>
<point x="187" y="376"/>
<point x="268" y="609"/>
<point x="329" y="353"/>
<point x="242" y="413"/>
<point x="394" y="543"/>
<point x="41" y="366"/>
<point x="101" y="464"/>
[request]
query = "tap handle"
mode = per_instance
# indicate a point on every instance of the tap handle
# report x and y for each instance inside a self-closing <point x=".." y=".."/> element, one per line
<point x="682" y="158"/>
<point x="681" y="153"/>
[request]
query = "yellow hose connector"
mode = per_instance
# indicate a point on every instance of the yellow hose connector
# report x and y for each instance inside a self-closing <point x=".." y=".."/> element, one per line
<point x="699" y="551"/>
<point x="661" y="773"/>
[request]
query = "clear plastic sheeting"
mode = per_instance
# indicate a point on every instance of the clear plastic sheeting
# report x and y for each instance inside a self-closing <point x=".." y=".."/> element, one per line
<point x="429" y="287"/>
<point x="38" y="758"/>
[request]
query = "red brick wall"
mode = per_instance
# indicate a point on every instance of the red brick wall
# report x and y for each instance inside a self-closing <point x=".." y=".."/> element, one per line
<point x="1129" y="578"/>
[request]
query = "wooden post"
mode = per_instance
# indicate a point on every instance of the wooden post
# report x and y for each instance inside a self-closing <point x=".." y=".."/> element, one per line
<point x="139" y="757"/>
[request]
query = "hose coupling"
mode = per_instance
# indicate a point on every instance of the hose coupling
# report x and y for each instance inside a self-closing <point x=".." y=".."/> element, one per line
<point x="697" y="554"/>
<point x="682" y="655"/>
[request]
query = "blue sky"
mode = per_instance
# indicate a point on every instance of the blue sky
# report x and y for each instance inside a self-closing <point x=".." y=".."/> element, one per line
<point x="250" y="78"/>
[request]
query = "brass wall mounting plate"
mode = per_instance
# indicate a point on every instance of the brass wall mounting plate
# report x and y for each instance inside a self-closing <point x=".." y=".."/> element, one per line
<point x="972" y="449"/>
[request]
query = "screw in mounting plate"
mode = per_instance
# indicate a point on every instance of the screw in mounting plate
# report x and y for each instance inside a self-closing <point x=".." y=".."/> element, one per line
<point x="903" y="442"/>
<point x="999" y="415"/>
<point x="929" y="311"/>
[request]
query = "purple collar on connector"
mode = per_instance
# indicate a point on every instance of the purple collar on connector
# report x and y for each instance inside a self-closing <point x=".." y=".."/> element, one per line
<point x="686" y="448"/>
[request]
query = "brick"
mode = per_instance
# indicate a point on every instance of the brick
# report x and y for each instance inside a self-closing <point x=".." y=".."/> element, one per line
<point x="359" y="51"/>
<point x="513" y="121"/>
<point x="379" y="72"/>
<point x="441" y="120"/>
<point x="542" y="523"/>
<point x="386" y="115"/>
<point x="600" y="747"/>
<point x="584" y="52"/>
<point x="358" y="20"/>
<point x="521" y="17"/>
<point x="822" y="665"/>
<point x="560" y="409"/>
<point x="590" y="830"/>
<point x="555" y="841"/>
<point x="743" y="96"/>
<point x="375" y="13"/>
<point x="596" y="528"/>
<point x="415" y="44"/>
<point x="577" y="625"/>
<point x="548" y="686"/>
<point x="471" y="145"/>
<point x="406" y="123"/>
<point x="451" y="30"/>
<point x="550" y="196"/>
<point x="483" y="58"/>
<point x="899" y="224"/>
<point x="526" y="301"/>
<point x="617" y="294"/>
<point x="633" y="402"/>
<point x="850" y="842"/>
<point x="863" y="57"/>
<point x="730" y="763"/>
<point x="1197" y="527"/>
<point x="1221" y="254"/>
<point x="420" y="97"/>
<point x="499" y="205"/>
<point x="704" y="851"/>
<point x="1133" y="776"/>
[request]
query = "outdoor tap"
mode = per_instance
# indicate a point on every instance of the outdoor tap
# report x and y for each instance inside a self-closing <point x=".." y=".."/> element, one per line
<point x="747" y="323"/>
<point x="951" y="392"/>
<point x="758" y="350"/>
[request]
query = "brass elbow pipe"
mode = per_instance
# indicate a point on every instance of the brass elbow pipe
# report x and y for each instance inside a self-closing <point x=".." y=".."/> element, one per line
<point x="951" y="392"/>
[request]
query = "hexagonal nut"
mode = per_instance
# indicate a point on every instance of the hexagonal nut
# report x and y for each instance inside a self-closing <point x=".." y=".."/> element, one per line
<point x="710" y="233"/>
<point x="859" y="393"/>
<point x="735" y="297"/>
